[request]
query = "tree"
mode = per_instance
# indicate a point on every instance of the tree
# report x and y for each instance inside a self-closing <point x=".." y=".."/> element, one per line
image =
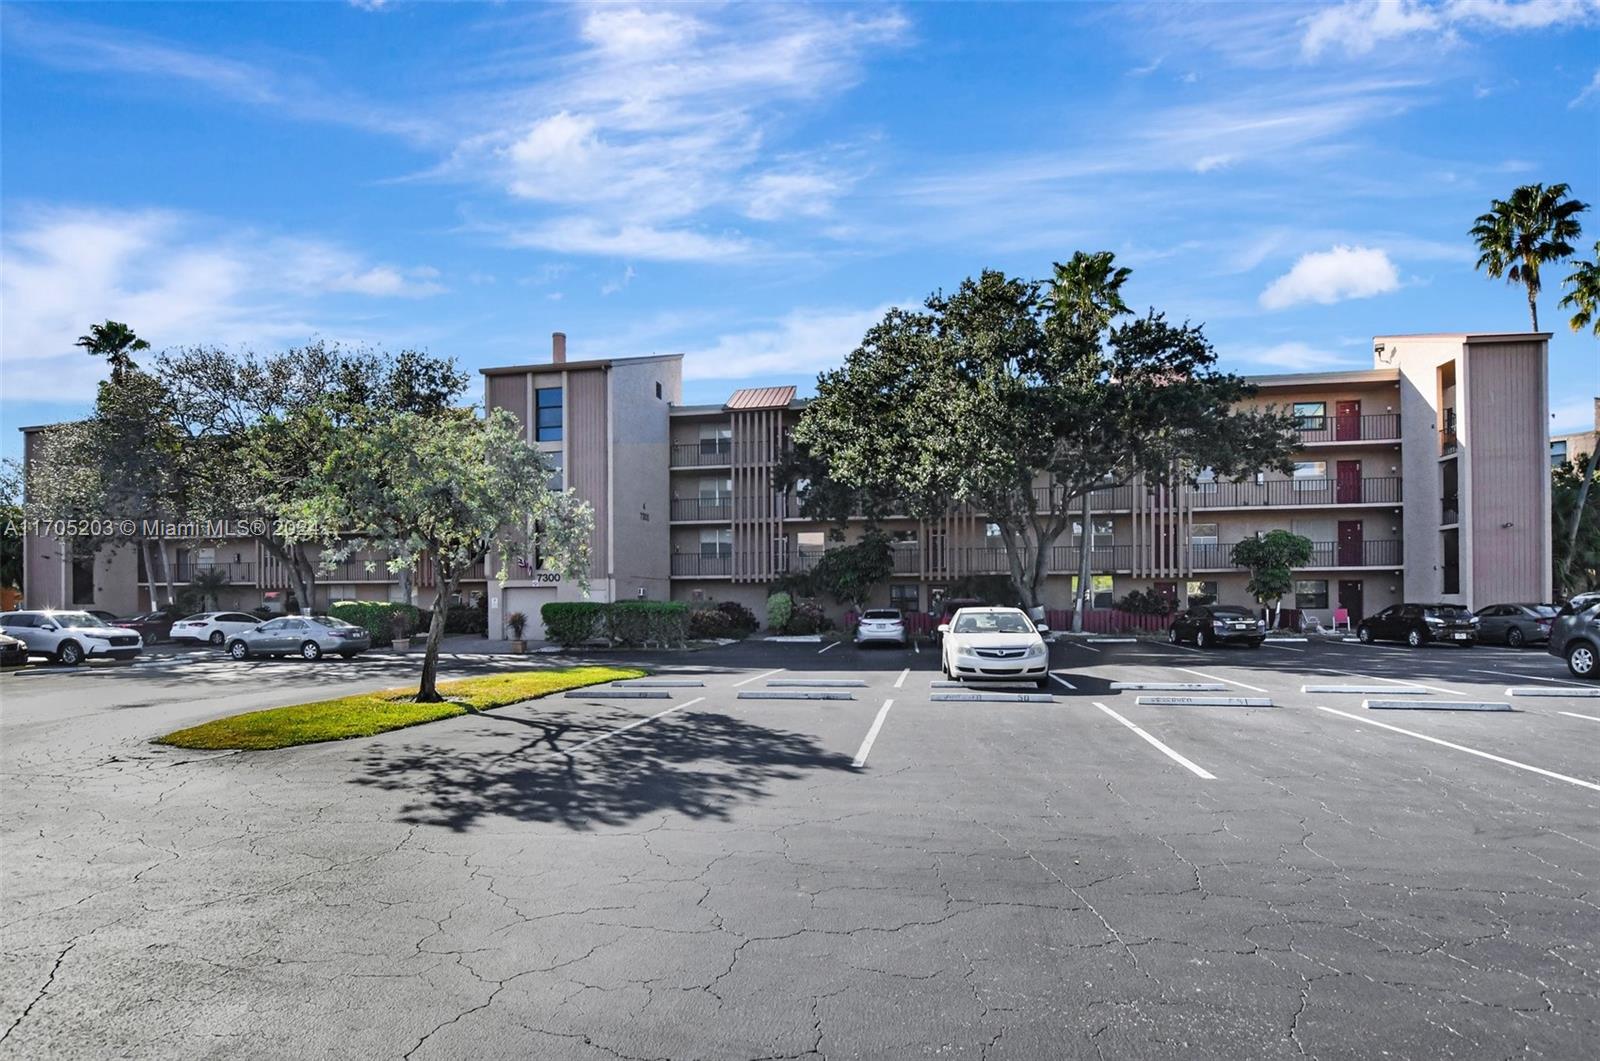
<point x="848" y="573"/>
<point x="11" y="523"/>
<point x="1575" y="509"/>
<point x="985" y="398"/>
<point x="208" y="586"/>
<point x="115" y="342"/>
<point x="1584" y="298"/>
<point x="1271" y="559"/>
<point x="1520" y="234"/>
<point x="445" y="484"/>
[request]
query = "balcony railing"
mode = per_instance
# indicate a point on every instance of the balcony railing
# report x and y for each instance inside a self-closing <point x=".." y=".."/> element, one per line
<point x="1380" y="552"/>
<point x="702" y="508"/>
<point x="702" y="454"/>
<point x="1377" y="427"/>
<point x="1449" y="509"/>
<point x="186" y="570"/>
<point x="1287" y="493"/>
<point x="702" y="564"/>
<point x="1447" y="432"/>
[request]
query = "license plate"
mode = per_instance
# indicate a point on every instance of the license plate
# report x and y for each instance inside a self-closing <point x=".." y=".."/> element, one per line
<point x="1460" y="637"/>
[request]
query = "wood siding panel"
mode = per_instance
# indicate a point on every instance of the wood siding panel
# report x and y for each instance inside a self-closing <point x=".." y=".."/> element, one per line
<point x="510" y="393"/>
<point x="587" y="457"/>
<point x="1502" y="437"/>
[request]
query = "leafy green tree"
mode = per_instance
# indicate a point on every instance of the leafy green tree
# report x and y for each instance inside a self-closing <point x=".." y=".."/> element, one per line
<point x="983" y="398"/>
<point x="1575" y="509"/>
<point x="445" y="484"/>
<point x="11" y="517"/>
<point x="115" y="342"/>
<point x="848" y="573"/>
<point x="1271" y="559"/>
<point x="208" y="586"/>
<point x="1519" y="235"/>
<point x="1584" y="298"/>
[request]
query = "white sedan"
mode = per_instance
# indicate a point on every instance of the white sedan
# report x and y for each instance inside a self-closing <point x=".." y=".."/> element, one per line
<point x="215" y="627"/>
<point x="994" y="644"/>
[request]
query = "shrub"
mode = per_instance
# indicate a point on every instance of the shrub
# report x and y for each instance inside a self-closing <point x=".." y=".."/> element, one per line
<point x="741" y="620"/>
<point x="808" y="618"/>
<point x="468" y="618"/>
<point x="1151" y="603"/>
<point x="518" y="622"/>
<point x="570" y="623"/>
<point x="706" y="623"/>
<point x="780" y="608"/>
<point x="377" y="617"/>
<point x="636" y="622"/>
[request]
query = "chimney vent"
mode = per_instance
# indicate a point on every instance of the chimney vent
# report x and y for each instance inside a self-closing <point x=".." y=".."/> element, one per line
<point x="558" y="347"/>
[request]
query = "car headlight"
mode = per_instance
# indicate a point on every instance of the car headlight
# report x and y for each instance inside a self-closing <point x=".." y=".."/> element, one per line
<point x="1218" y="624"/>
<point x="1261" y="624"/>
<point x="1036" y="650"/>
<point x="97" y="635"/>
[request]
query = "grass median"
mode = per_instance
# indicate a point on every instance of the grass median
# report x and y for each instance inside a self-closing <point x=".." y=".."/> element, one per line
<point x="365" y="714"/>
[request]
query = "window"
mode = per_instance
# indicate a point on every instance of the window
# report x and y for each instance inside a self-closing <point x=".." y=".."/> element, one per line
<point x="1310" y="416"/>
<point x="558" y="475"/>
<point x="1310" y="475"/>
<point x="1099" y="591"/>
<point x="716" y="541"/>
<point x="547" y="414"/>
<point x="1201" y="593"/>
<point x="83" y="578"/>
<point x="1558" y="453"/>
<point x="716" y="491"/>
<point x="715" y="438"/>
<point x="991" y="533"/>
<point x="1102" y="530"/>
<point x="1203" y="534"/>
<point x="658" y="388"/>
<point x="1311" y="593"/>
<point x="904" y="595"/>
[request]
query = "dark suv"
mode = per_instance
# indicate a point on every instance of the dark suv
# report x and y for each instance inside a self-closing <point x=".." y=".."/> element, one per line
<point x="1575" y="637"/>
<point x="1418" y="624"/>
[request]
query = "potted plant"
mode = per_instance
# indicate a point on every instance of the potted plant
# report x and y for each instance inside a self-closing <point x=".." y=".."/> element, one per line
<point x="517" y="622"/>
<point x="400" y="629"/>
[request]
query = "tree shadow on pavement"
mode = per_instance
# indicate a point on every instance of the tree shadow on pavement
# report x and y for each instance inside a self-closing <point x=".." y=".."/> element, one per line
<point x="698" y="764"/>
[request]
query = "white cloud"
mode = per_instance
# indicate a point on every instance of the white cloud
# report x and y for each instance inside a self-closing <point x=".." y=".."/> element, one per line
<point x="1295" y="356"/>
<point x="169" y="277"/>
<point x="586" y="235"/>
<point x="1333" y="276"/>
<point x="1358" y="27"/>
<point x="774" y="196"/>
<point x="803" y="342"/>
<point x="611" y="287"/>
<point x="1591" y="89"/>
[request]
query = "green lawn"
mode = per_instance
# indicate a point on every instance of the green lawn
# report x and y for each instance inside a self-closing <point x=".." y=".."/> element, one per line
<point x="364" y="714"/>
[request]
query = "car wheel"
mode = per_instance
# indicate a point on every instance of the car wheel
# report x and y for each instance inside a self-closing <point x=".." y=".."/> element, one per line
<point x="1515" y="637"/>
<point x="944" y="665"/>
<point x="69" y="654"/>
<point x="239" y="650"/>
<point x="1364" y="635"/>
<point x="347" y="655"/>
<point x="217" y="638"/>
<point x="1172" y="635"/>
<point x="1414" y="638"/>
<point x="311" y="650"/>
<point x="1204" y="640"/>
<point x="1581" y="660"/>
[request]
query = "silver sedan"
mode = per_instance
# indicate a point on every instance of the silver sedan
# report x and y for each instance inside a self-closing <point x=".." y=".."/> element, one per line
<point x="306" y="636"/>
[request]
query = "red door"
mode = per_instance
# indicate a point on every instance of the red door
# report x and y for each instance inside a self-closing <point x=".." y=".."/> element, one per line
<point x="1347" y="422"/>
<point x="1350" y="543"/>
<point x="1348" y="487"/>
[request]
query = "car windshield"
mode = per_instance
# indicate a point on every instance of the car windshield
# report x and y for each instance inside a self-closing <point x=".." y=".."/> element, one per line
<point x="1543" y="610"/>
<point x="202" y="617"/>
<point x="1449" y="611"/>
<point x="1232" y="611"/>
<point x="75" y="619"/>
<point x="332" y="623"/>
<point x="881" y="613"/>
<point x="993" y="623"/>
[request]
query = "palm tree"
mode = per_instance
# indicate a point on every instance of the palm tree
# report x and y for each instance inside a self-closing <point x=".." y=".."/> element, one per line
<point x="1520" y="234"/>
<point x="1584" y="298"/>
<point x="115" y="342"/>
<point x="209" y="583"/>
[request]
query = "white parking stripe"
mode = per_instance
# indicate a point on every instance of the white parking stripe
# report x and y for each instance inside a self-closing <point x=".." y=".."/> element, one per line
<point x="624" y="729"/>
<point x="758" y="677"/>
<point x="1080" y="644"/>
<point x="1219" y="678"/>
<point x="1463" y="748"/>
<point x="872" y="734"/>
<point x="1530" y="677"/>
<point x="898" y="682"/>
<point x="1396" y="681"/>
<point x="1162" y="748"/>
<point x="1063" y="681"/>
<point x="1574" y="714"/>
<point x="830" y="644"/>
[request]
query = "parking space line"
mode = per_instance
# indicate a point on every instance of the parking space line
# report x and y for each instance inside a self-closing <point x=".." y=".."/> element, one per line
<point x="624" y="729"/>
<point x="1080" y="644"/>
<point x="1396" y="681"/>
<point x="1574" y="714"/>
<point x="1186" y="648"/>
<point x="900" y="681"/>
<point x="758" y="677"/>
<point x="1162" y="748"/>
<point x="1218" y="678"/>
<point x="1463" y="748"/>
<point x="830" y="644"/>
<point x="872" y="734"/>
<point x="1063" y="681"/>
<point x="915" y="649"/>
<point x="1530" y="677"/>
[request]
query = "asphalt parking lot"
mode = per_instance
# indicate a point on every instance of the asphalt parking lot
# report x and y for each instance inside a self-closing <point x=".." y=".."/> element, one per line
<point x="869" y="871"/>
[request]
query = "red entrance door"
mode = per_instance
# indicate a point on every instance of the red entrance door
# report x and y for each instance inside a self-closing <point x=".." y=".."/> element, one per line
<point x="1350" y="541"/>
<point x="1347" y="422"/>
<point x="1348" y="488"/>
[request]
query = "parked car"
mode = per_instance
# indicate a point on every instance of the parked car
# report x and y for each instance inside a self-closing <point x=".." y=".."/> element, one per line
<point x="1418" y="624"/>
<point x="154" y="627"/>
<point x="1575" y="637"/>
<point x="993" y="644"/>
<point x="1516" y="624"/>
<point x="215" y="627"/>
<point x="109" y="618"/>
<point x="307" y="636"/>
<point x="881" y="624"/>
<point x="70" y="637"/>
<point x="13" y="651"/>
<point x="1218" y="624"/>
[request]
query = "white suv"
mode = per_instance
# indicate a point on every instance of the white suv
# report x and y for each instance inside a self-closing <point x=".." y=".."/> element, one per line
<point x="71" y="637"/>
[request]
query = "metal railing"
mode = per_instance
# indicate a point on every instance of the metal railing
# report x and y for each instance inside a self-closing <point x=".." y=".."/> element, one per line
<point x="1379" y="552"/>
<point x="186" y="570"/>
<point x="1449" y="509"/>
<point x="702" y="455"/>
<point x="1288" y="493"/>
<point x="1376" y="427"/>
<point x="702" y="564"/>
<point x="701" y="508"/>
<point x="1447" y="432"/>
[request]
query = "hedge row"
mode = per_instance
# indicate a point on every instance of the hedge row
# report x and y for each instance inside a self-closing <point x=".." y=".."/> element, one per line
<point x="377" y="617"/>
<point x="625" y="622"/>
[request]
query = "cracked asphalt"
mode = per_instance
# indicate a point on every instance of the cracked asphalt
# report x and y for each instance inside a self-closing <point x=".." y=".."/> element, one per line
<point x="995" y="880"/>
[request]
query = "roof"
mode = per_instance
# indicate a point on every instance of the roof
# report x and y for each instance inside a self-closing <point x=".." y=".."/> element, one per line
<point x="1302" y="379"/>
<point x="761" y="398"/>
<point x="563" y="366"/>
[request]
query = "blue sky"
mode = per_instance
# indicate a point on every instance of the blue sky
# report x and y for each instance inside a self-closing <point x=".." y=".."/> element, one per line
<point x="754" y="185"/>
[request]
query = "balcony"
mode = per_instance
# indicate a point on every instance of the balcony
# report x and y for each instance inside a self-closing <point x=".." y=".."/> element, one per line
<point x="1321" y="430"/>
<point x="1387" y="553"/>
<point x="1447" y="432"/>
<point x="693" y="509"/>
<point x="707" y="454"/>
<point x="1290" y="493"/>
<point x="1449" y="509"/>
<point x="702" y="565"/>
<point x="185" y="571"/>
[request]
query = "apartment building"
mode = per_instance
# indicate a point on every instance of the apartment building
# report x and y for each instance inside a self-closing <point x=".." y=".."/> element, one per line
<point x="1424" y="477"/>
<point x="1577" y="445"/>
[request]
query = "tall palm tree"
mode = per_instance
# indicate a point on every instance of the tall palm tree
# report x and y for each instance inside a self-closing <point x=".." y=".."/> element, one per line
<point x="115" y="342"/>
<point x="1584" y="298"/>
<point x="1522" y="233"/>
